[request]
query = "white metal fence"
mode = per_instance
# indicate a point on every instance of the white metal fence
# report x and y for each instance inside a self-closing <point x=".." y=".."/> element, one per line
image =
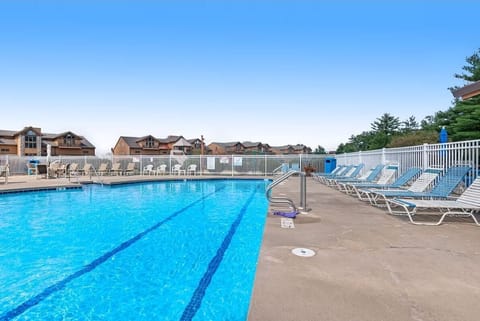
<point x="230" y="165"/>
<point x="422" y="156"/>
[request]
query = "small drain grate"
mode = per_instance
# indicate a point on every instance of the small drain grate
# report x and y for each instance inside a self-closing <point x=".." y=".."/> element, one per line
<point x="300" y="251"/>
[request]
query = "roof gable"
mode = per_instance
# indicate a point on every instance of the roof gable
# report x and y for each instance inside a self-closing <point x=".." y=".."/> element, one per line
<point x="144" y="138"/>
<point x="55" y="136"/>
<point x="182" y="142"/>
<point x="25" y="130"/>
<point x="228" y="144"/>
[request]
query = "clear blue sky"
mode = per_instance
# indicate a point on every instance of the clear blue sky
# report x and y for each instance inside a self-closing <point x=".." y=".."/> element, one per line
<point x="280" y="72"/>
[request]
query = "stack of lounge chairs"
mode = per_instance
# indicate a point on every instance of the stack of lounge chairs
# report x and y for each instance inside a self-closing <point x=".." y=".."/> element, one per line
<point x="412" y="192"/>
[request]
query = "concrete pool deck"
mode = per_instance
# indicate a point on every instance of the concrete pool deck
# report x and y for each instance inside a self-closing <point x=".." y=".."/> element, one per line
<point x="368" y="265"/>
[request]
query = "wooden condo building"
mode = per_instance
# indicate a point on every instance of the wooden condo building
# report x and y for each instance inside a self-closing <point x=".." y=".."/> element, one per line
<point x="150" y="145"/>
<point x="30" y="141"/>
<point x="256" y="148"/>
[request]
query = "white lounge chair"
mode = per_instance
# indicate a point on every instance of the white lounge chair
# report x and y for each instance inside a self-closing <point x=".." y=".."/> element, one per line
<point x="162" y="169"/>
<point x="72" y="169"/>
<point x="177" y="169"/>
<point x="54" y="169"/>
<point x="148" y="170"/>
<point x="192" y="169"/>
<point x="466" y="205"/>
<point x="62" y="170"/>
<point x="87" y="169"/>
<point x="130" y="170"/>
<point x="116" y="169"/>
<point x="102" y="169"/>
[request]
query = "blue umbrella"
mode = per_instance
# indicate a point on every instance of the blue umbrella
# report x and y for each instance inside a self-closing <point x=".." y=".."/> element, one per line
<point x="443" y="137"/>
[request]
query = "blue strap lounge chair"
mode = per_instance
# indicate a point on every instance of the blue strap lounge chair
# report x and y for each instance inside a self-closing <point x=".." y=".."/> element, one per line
<point x="334" y="172"/>
<point x="402" y="180"/>
<point x="421" y="184"/>
<point x="343" y="171"/>
<point x="351" y="174"/>
<point x="466" y="205"/>
<point x="342" y="183"/>
<point x="442" y="188"/>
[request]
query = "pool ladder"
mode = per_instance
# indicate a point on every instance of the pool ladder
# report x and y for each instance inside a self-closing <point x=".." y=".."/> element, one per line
<point x="99" y="180"/>
<point x="285" y="200"/>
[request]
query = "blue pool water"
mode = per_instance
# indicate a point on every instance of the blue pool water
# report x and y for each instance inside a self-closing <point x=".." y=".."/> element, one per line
<point x="184" y="250"/>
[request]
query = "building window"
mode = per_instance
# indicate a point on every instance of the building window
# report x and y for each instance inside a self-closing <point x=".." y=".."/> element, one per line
<point x="5" y="150"/>
<point x="150" y="143"/>
<point x="69" y="140"/>
<point x="30" y="140"/>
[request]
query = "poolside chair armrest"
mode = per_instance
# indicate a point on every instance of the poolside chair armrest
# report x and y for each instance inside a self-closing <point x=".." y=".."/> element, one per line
<point x="402" y="202"/>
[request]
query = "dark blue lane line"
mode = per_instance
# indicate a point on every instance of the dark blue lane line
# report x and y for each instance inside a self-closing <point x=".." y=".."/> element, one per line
<point x="197" y="297"/>
<point x="92" y="265"/>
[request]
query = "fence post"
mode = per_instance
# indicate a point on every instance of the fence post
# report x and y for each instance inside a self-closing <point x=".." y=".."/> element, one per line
<point x="425" y="156"/>
<point x="265" y="174"/>
<point x="232" y="164"/>
<point x="383" y="156"/>
<point x="359" y="157"/>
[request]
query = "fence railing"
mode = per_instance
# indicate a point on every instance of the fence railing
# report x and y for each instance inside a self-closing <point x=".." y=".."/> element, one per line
<point x="423" y="156"/>
<point x="230" y="165"/>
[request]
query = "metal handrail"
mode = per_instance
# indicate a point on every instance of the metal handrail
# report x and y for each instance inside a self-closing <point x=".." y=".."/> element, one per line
<point x="280" y="200"/>
<point x="70" y="174"/>
<point x="96" y="174"/>
<point x="277" y="169"/>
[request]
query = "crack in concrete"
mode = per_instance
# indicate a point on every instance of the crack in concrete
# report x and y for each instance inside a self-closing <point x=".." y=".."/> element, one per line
<point x="415" y="313"/>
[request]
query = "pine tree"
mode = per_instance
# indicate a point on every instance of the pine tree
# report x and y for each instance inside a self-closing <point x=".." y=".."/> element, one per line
<point x="472" y="68"/>
<point x="466" y="125"/>
<point x="466" y="114"/>
<point x="386" y="124"/>
<point x="410" y="125"/>
<point x="320" y="150"/>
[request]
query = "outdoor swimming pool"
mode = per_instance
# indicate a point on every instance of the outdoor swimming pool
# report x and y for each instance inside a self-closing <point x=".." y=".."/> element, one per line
<point x="178" y="250"/>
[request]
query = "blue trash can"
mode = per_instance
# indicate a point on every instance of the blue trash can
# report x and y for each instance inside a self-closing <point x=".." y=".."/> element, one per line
<point x="330" y="164"/>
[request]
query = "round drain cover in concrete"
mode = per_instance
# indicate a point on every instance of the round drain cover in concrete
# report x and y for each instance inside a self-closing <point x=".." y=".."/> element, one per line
<point x="300" y="251"/>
